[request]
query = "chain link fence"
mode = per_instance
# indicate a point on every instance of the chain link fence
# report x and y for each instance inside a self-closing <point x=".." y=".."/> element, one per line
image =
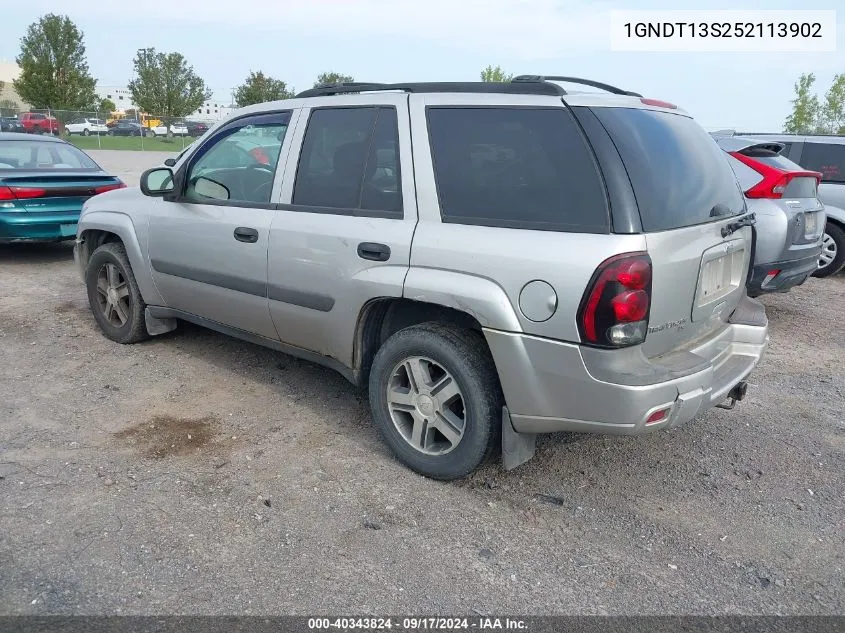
<point x="89" y="129"/>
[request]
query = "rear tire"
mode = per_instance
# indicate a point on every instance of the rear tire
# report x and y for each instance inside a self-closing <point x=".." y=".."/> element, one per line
<point x="86" y="132"/>
<point x="114" y="296"/>
<point x="833" y="251"/>
<point x="436" y="399"/>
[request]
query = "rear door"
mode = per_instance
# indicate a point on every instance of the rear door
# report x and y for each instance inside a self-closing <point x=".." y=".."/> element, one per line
<point x="689" y="203"/>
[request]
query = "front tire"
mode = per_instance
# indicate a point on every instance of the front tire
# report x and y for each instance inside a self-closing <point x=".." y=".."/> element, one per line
<point x="436" y="399"/>
<point x="114" y="296"/>
<point x="86" y="132"/>
<point x="832" y="258"/>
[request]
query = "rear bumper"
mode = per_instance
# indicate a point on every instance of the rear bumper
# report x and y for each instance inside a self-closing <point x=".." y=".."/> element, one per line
<point x="27" y="225"/>
<point x="792" y="273"/>
<point x="552" y="386"/>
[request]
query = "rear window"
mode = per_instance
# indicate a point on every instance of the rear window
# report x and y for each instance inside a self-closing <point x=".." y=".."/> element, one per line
<point x="829" y="159"/>
<point x="679" y="175"/>
<point x="35" y="155"/>
<point x="524" y="168"/>
<point x="803" y="187"/>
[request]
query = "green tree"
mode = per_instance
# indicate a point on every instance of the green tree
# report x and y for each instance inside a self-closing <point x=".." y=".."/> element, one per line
<point x="259" y="88"/>
<point x="332" y="78"/>
<point x="833" y="108"/>
<point x="54" y="71"/>
<point x="495" y="73"/>
<point x="166" y="85"/>
<point x="8" y="107"/>
<point x="805" y="107"/>
<point x="106" y="106"/>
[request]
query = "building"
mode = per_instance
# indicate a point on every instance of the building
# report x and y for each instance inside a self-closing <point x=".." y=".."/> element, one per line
<point x="210" y="112"/>
<point x="9" y="71"/>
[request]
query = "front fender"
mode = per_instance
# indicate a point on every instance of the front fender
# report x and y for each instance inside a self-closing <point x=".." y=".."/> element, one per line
<point x="476" y="296"/>
<point x="122" y="225"/>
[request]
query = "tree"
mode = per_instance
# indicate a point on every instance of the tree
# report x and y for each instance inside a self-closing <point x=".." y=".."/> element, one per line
<point x="805" y="107"/>
<point x="332" y="78"/>
<point x="106" y="105"/>
<point x="8" y="107"/>
<point x="166" y="85"/>
<point x="492" y="73"/>
<point x="833" y="109"/>
<point x="259" y="88"/>
<point x="54" y="72"/>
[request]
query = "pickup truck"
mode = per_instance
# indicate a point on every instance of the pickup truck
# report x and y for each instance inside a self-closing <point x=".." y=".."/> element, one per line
<point x="37" y="123"/>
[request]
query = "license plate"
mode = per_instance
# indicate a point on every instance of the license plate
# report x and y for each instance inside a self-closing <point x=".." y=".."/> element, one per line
<point x="721" y="276"/>
<point x="67" y="229"/>
<point x="811" y="224"/>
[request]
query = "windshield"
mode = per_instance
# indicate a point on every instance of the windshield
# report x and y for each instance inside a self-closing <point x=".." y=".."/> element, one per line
<point x="43" y="155"/>
<point x="679" y="174"/>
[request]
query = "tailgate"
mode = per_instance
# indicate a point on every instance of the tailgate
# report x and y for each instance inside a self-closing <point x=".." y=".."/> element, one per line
<point x="692" y="211"/>
<point x="40" y="193"/>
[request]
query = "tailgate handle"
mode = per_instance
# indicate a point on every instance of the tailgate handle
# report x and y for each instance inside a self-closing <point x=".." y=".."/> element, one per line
<point x="733" y="227"/>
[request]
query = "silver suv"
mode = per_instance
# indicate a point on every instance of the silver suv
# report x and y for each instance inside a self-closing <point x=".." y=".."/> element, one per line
<point x="491" y="261"/>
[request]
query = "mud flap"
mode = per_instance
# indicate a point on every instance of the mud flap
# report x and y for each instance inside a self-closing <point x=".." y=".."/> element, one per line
<point x="517" y="448"/>
<point x="158" y="326"/>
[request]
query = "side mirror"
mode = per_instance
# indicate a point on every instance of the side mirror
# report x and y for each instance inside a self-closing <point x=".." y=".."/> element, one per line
<point x="208" y="188"/>
<point x="157" y="181"/>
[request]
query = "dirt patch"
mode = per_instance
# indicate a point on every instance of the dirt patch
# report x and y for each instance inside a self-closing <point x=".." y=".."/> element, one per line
<point x="164" y="435"/>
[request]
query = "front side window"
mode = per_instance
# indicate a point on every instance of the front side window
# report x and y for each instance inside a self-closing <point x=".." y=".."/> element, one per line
<point x="239" y="164"/>
<point x="827" y="158"/>
<point x="350" y="161"/>
<point x="524" y="168"/>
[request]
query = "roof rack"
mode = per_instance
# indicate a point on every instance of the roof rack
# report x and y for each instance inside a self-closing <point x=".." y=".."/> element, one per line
<point x="531" y="88"/>
<point x="524" y="84"/>
<point x="575" y="80"/>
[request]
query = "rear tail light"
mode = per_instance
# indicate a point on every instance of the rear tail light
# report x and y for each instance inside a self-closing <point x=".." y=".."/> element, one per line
<point x="615" y="308"/>
<point x="21" y="193"/>
<point x="105" y="188"/>
<point x="775" y="181"/>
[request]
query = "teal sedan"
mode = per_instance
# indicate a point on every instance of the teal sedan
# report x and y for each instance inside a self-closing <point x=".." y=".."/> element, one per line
<point x="44" y="182"/>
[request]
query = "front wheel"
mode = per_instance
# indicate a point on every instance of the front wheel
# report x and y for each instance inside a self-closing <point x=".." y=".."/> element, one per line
<point x="114" y="296"/>
<point x="86" y="132"/>
<point x="436" y="399"/>
<point x="832" y="257"/>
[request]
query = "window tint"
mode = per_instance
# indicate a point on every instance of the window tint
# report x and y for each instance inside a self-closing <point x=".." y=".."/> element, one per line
<point x="679" y="175"/>
<point x="240" y="160"/>
<point x="827" y="158"/>
<point x="515" y="167"/>
<point x="350" y="160"/>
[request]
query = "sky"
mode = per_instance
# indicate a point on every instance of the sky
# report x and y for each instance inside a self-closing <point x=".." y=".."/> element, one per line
<point x="436" y="40"/>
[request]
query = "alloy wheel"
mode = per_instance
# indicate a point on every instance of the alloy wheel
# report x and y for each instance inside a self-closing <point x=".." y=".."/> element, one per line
<point x="113" y="295"/>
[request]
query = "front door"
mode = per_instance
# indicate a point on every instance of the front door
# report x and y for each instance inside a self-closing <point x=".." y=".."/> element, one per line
<point x="208" y="242"/>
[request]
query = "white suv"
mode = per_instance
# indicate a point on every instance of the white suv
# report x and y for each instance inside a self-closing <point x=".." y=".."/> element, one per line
<point x="86" y="127"/>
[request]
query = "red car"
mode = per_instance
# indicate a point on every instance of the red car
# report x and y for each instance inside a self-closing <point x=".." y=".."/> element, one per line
<point x="36" y="123"/>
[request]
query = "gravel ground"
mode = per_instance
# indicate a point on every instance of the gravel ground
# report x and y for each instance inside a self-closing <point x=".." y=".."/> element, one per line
<point x="197" y="474"/>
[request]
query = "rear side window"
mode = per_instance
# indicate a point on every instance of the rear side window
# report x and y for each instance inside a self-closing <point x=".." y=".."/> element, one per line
<point x="827" y="158"/>
<point x="524" y="168"/>
<point x="350" y="161"/>
<point x="679" y="174"/>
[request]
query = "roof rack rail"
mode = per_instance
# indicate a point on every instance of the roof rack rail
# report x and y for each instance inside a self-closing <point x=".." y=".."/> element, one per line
<point x="574" y="80"/>
<point x="522" y="87"/>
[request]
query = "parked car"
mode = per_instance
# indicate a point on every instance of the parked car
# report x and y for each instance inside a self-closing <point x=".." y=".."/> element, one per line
<point x="37" y="123"/>
<point x="825" y="154"/>
<point x="489" y="260"/>
<point x="177" y="128"/>
<point x="790" y="218"/>
<point x="196" y="128"/>
<point x="43" y="185"/>
<point x="11" y="124"/>
<point x="128" y="128"/>
<point x="86" y="126"/>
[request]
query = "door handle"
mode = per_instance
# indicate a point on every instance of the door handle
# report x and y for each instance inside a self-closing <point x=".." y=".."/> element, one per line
<point x="246" y="234"/>
<point x="374" y="251"/>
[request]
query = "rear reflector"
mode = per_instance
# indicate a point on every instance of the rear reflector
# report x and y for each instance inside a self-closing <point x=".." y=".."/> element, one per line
<point x="775" y="181"/>
<point x="770" y="277"/>
<point x="658" y="416"/>
<point x="615" y="307"/>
